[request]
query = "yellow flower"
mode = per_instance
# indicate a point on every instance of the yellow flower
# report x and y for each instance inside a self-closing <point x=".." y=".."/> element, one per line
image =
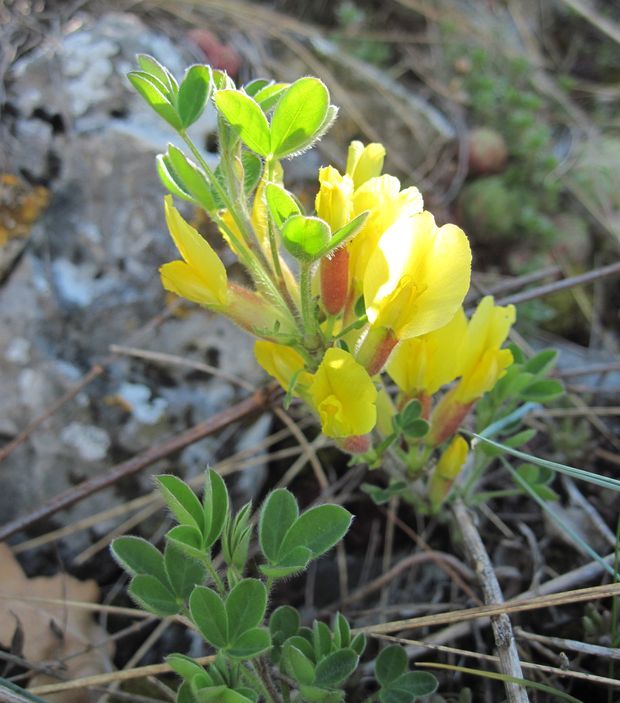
<point x="343" y="395"/>
<point x="279" y="361"/>
<point x="483" y="363"/>
<point x="417" y="277"/>
<point x="386" y="203"/>
<point x="334" y="201"/>
<point x="423" y="364"/>
<point x="448" y="467"/>
<point x="201" y="276"/>
<point x="364" y="162"/>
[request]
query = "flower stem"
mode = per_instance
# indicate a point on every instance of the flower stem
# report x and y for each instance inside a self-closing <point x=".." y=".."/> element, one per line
<point x="311" y="326"/>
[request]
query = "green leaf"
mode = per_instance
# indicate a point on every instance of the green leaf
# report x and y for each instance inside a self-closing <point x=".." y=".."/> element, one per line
<point x="278" y="513"/>
<point x="292" y="563"/>
<point x="252" y="171"/>
<point x="215" y="505"/>
<point x="408" y="687"/>
<point x="156" y="95"/>
<point x="152" y="595"/>
<point x="336" y="668"/>
<point x="284" y="622"/>
<point x="314" y="694"/>
<point x="184" y="694"/>
<point x="245" y="607"/>
<point x="183" y="572"/>
<point x="247" y="118"/>
<point x="209" y="615"/>
<point x="391" y="663"/>
<point x="297" y="664"/>
<point x="151" y="66"/>
<point x="250" y="644"/>
<point x="303" y="642"/>
<point x="236" y="538"/>
<point x="321" y="639"/>
<point x="181" y="500"/>
<point x="185" y="666"/>
<point x="517" y="353"/>
<point x="318" y="529"/>
<point x="298" y="116"/>
<point x="268" y="96"/>
<point x="541" y="363"/>
<point x="248" y="693"/>
<point x="220" y="694"/>
<point x="358" y="643"/>
<point x="417" y="429"/>
<point x="194" y="94"/>
<point x="137" y="556"/>
<point x="305" y="237"/>
<point x="343" y="629"/>
<point x="189" y="177"/>
<point x="252" y="87"/>
<point x="188" y="540"/>
<point x="344" y="235"/>
<point x="170" y="179"/>
<point x="281" y="203"/>
<point x="543" y="391"/>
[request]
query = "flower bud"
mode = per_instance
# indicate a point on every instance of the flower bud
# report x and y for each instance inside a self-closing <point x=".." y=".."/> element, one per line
<point x="334" y="272"/>
<point x="448" y="468"/>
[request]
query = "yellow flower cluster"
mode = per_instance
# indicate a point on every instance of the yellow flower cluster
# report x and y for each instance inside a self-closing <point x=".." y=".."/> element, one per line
<point x="411" y="277"/>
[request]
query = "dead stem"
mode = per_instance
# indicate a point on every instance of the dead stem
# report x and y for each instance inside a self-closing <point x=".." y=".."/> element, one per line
<point x="509" y="662"/>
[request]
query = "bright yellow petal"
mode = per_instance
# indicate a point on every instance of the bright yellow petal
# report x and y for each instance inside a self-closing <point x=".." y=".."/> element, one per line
<point x="453" y="458"/>
<point x="344" y="395"/>
<point x="364" y="162"/>
<point x="386" y="204"/>
<point x="334" y="202"/>
<point x="417" y="277"/>
<point x="487" y="330"/>
<point x="180" y="278"/>
<point x="279" y="361"/>
<point x="197" y="253"/>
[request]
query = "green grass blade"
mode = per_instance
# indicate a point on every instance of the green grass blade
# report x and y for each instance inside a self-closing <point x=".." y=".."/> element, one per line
<point x="571" y="471"/>
<point x="554" y="516"/>
<point x="526" y="683"/>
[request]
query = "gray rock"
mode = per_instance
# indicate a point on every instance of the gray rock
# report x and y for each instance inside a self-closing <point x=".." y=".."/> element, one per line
<point x="88" y="278"/>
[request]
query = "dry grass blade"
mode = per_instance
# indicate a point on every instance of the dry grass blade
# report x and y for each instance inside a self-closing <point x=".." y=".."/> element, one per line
<point x="112" y="677"/>
<point x="457" y="616"/>
<point x="556" y="671"/>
